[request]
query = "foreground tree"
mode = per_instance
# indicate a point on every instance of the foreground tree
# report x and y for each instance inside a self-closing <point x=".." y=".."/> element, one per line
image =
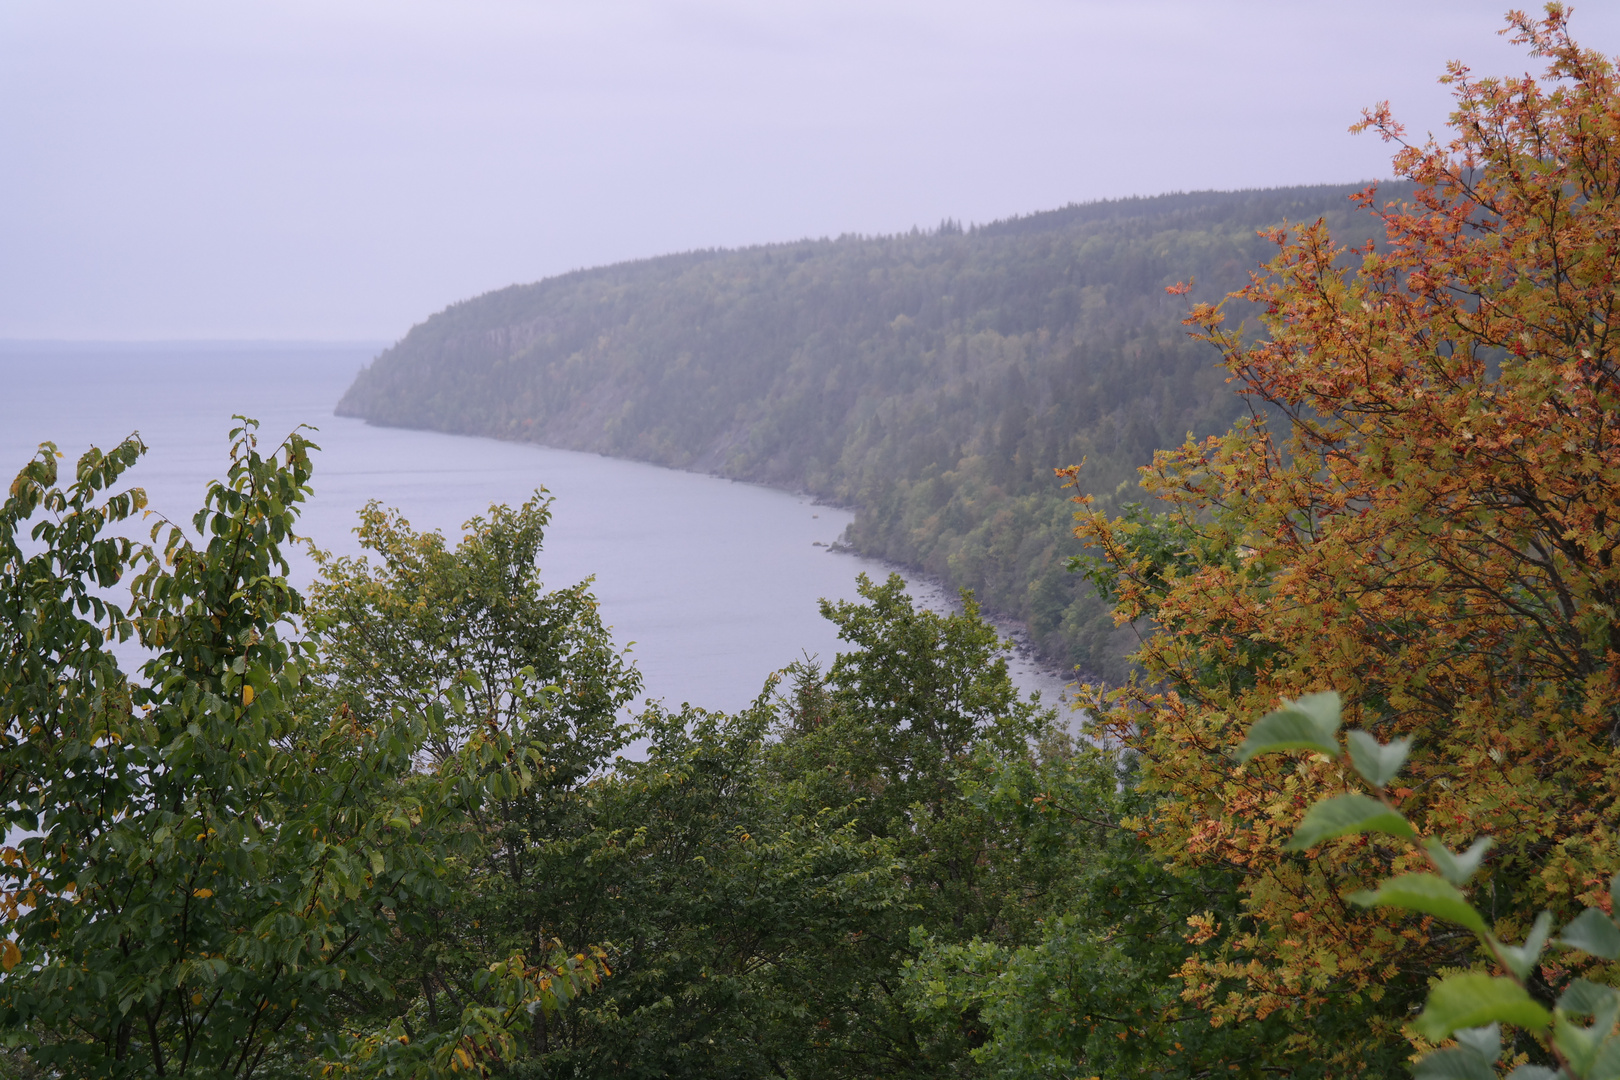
<point x="469" y="638"/>
<point x="894" y="734"/>
<point x="1435" y="536"/>
<point x="731" y="905"/>
<point x="201" y="860"/>
<point x="1087" y="984"/>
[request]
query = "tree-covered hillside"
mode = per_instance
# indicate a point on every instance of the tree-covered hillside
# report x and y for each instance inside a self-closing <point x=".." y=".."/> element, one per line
<point x="932" y="380"/>
<point x="386" y="830"/>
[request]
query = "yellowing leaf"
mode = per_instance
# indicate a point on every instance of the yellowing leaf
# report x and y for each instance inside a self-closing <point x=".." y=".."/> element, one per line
<point x="10" y="955"/>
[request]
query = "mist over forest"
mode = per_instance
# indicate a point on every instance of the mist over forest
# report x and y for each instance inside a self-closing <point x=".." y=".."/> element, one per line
<point x="1338" y="800"/>
<point x="931" y="380"/>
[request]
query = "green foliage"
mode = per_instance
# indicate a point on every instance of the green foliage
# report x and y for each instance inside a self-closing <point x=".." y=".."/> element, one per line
<point x="470" y="637"/>
<point x="1346" y="814"/>
<point x="733" y="907"/>
<point x="202" y="864"/>
<point x="894" y="734"/>
<point x="521" y="688"/>
<point x="1461" y="1002"/>
<point x="401" y="845"/>
<point x="1455" y="868"/>
<point x="761" y="893"/>
<point x="1594" y="932"/>
<point x="1471" y="1006"/>
<point x="1426" y="893"/>
<point x="1306" y="724"/>
<point x="1088" y="985"/>
<point x="1376" y="762"/>
<point x="933" y="381"/>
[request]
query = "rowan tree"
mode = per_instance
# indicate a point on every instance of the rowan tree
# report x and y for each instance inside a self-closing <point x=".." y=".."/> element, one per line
<point x="1422" y="513"/>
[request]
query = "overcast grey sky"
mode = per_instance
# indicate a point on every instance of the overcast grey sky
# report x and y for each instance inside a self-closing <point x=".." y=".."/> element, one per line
<point x="340" y="169"/>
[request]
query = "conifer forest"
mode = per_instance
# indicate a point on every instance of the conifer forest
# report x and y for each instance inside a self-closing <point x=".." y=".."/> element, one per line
<point x="1318" y="488"/>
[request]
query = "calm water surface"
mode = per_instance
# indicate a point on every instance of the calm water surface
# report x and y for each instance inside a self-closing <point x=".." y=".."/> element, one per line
<point x="714" y="582"/>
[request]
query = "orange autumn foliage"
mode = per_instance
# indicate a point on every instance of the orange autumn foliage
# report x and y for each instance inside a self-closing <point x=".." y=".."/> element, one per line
<point x="1434" y="536"/>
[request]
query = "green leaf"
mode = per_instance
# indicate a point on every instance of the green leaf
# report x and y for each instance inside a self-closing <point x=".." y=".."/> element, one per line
<point x="1485" y="1040"/>
<point x="1429" y="895"/>
<point x="1592" y="932"/>
<point x="1474" y="1000"/>
<point x="1534" y="1072"/>
<point x="1593" y="1050"/>
<point x="1457" y="869"/>
<point x="1585" y="998"/>
<point x="1306" y="724"/>
<point x="1521" y="959"/>
<point x="1455" y="1063"/>
<point x="1471" y="1059"/>
<point x="1581" y="1043"/>
<point x="1606" y="1066"/>
<point x="1344" y="814"/>
<point x="1377" y="763"/>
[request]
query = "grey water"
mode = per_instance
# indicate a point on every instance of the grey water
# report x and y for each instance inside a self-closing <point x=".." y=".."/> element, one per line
<point x="712" y="584"/>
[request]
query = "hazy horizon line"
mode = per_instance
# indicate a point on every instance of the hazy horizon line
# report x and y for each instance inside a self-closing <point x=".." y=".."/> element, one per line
<point x="137" y="344"/>
<point x="14" y="344"/>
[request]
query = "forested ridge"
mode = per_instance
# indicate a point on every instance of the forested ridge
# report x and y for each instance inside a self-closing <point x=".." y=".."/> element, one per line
<point x="932" y="380"/>
<point x="1354" y="816"/>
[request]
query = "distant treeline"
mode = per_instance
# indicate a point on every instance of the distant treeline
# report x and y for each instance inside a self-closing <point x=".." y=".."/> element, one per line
<point x="931" y="380"/>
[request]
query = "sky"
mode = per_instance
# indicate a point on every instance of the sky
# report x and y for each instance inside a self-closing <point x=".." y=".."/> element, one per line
<point x="341" y="169"/>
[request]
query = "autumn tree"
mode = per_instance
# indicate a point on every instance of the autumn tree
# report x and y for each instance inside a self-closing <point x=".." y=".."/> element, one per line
<point x="1423" y="514"/>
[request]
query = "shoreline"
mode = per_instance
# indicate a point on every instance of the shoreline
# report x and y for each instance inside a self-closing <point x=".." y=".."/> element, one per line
<point x="928" y="589"/>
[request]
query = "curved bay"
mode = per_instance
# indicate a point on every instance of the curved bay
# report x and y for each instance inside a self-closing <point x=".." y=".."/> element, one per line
<point x="714" y="581"/>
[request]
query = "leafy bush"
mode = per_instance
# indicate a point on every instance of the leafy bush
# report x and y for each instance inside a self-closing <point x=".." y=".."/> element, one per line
<point x="1577" y="1030"/>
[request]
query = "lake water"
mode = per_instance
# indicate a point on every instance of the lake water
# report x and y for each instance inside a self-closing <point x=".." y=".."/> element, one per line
<point x="714" y="582"/>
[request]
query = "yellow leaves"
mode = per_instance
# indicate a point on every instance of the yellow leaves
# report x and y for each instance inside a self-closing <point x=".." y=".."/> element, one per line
<point x="10" y="955"/>
<point x="247" y="694"/>
<point x="203" y="894"/>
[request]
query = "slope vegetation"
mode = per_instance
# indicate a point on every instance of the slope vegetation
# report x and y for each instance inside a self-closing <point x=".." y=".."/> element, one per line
<point x="932" y="380"/>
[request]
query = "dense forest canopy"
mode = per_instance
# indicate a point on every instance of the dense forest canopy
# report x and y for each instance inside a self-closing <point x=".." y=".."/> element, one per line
<point x="385" y="829"/>
<point x="932" y="380"/>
